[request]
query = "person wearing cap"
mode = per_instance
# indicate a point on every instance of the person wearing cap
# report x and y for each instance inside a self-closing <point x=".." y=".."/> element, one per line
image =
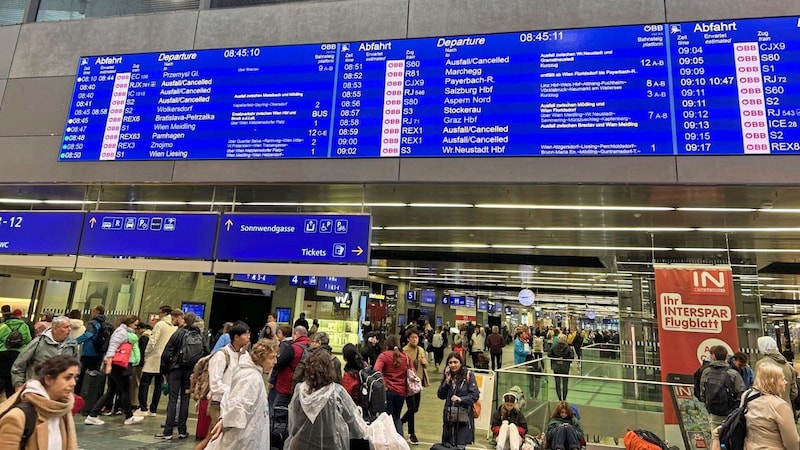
<point x="45" y="323"/>
<point x="508" y="424"/>
<point x="14" y="324"/>
<point x="769" y="348"/>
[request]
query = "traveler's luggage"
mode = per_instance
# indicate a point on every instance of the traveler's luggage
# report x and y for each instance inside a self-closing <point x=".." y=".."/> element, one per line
<point x="481" y="361"/>
<point x="279" y="426"/>
<point x="203" y="420"/>
<point x="92" y="389"/>
<point x="643" y="440"/>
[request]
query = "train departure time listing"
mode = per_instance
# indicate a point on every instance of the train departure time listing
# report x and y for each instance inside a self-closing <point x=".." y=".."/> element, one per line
<point x="717" y="87"/>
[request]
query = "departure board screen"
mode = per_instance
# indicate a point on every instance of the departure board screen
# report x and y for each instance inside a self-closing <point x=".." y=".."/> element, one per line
<point x="737" y="88"/>
<point x="721" y="87"/>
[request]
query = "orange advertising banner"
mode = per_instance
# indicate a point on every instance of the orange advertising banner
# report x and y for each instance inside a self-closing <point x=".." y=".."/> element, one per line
<point x="696" y="311"/>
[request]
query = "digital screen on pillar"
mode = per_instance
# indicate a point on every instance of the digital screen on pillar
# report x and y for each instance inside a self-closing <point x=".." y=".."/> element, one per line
<point x="283" y="315"/>
<point x="719" y="87"/>
<point x="198" y="309"/>
<point x="428" y="297"/>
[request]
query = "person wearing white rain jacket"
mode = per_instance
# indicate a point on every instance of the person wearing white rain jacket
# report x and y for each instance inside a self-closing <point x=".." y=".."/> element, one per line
<point x="321" y="414"/>
<point x="244" y="412"/>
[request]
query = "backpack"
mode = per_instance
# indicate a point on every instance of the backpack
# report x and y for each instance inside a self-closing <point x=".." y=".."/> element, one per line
<point x="199" y="385"/>
<point x="734" y="429"/>
<point x="719" y="392"/>
<point x="697" y="376"/>
<point x="437" y="341"/>
<point x="371" y="393"/>
<point x="192" y="349"/>
<point x="102" y="336"/>
<point x="644" y="440"/>
<point x="15" y="339"/>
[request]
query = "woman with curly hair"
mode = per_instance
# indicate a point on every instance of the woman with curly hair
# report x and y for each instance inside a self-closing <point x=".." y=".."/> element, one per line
<point x="244" y="418"/>
<point x="321" y="414"/>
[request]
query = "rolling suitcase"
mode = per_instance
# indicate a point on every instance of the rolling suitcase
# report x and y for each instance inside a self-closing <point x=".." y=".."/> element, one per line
<point x="482" y="362"/>
<point x="92" y="389"/>
<point x="203" y="420"/>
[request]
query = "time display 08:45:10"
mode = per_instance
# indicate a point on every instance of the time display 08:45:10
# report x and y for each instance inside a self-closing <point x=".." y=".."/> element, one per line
<point x="241" y="52"/>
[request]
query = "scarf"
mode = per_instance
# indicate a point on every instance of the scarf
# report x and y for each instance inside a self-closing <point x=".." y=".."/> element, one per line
<point x="47" y="409"/>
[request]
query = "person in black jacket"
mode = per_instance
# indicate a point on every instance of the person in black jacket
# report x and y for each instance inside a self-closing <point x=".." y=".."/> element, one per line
<point x="371" y="348"/>
<point x="509" y="424"/>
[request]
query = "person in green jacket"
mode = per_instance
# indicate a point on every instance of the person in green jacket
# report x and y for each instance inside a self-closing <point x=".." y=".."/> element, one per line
<point x="11" y="325"/>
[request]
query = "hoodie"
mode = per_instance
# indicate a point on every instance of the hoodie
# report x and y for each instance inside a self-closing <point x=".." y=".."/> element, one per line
<point x="769" y="348"/>
<point x="323" y="419"/>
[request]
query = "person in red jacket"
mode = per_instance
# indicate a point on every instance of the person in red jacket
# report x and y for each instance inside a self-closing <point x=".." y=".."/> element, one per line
<point x="352" y="365"/>
<point x="393" y="365"/>
<point x="287" y="363"/>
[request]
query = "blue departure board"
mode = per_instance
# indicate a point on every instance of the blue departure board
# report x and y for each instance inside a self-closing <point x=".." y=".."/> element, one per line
<point x="736" y="86"/>
<point x="719" y="87"/>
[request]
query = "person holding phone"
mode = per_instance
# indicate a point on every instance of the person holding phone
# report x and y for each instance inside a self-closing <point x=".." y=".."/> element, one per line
<point x="564" y="430"/>
<point x="459" y="391"/>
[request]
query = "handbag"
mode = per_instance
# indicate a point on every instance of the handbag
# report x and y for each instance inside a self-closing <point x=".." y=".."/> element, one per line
<point x="123" y="355"/>
<point x="457" y="414"/>
<point x="413" y="382"/>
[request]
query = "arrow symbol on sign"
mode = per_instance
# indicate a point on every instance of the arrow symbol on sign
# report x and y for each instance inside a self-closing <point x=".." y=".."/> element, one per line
<point x="92" y="221"/>
<point x="358" y="250"/>
<point x="228" y="224"/>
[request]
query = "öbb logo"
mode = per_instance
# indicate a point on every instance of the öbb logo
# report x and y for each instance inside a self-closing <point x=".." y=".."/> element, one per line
<point x="709" y="282"/>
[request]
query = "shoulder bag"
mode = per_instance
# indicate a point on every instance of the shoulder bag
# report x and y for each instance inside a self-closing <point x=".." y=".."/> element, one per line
<point x="413" y="382"/>
<point x="123" y="355"/>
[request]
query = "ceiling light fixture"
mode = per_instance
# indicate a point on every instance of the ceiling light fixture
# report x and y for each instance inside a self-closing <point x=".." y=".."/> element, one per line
<point x="576" y="207"/>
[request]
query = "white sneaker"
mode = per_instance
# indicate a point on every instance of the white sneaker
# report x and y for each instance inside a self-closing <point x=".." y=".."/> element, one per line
<point x="133" y="420"/>
<point x="151" y="414"/>
<point x="93" y="421"/>
<point x="140" y="413"/>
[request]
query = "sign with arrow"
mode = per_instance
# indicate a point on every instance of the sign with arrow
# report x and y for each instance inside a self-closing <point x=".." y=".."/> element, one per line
<point x="300" y="238"/>
<point x="168" y="235"/>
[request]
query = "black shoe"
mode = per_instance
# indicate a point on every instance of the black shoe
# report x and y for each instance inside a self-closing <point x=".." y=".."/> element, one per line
<point x="413" y="439"/>
<point x="183" y="436"/>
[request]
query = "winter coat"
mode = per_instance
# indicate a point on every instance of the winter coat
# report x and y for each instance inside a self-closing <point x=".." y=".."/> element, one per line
<point x="169" y="359"/>
<point x="513" y="416"/>
<point x="324" y="419"/>
<point x="221" y="367"/>
<point x="773" y="357"/>
<point x="495" y="342"/>
<point x="736" y="379"/>
<point x="418" y="358"/>
<point x="162" y="332"/>
<point x="748" y="376"/>
<point x="519" y="351"/>
<point x="561" y="356"/>
<point x="88" y="337"/>
<point x="136" y="354"/>
<point x="537" y="345"/>
<point x="556" y="422"/>
<point x="770" y="424"/>
<point x="39" y="349"/>
<point x="11" y="325"/>
<point x="394" y="377"/>
<point x="462" y="385"/>
<point x="77" y="328"/>
<point x="370" y="353"/>
<point x="287" y="363"/>
<point x="118" y="337"/>
<point x="50" y="415"/>
<point x="244" y="410"/>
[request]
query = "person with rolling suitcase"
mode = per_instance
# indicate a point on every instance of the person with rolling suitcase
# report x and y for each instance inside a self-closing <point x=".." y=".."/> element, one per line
<point x="460" y="392"/>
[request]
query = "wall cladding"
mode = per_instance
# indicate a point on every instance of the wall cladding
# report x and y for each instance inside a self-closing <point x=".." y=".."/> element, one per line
<point x="52" y="49"/>
<point x="8" y="41"/>
<point x="692" y="10"/>
<point x="294" y="23"/>
<point x="451" y="17"/>
<point x="35" y="106"/>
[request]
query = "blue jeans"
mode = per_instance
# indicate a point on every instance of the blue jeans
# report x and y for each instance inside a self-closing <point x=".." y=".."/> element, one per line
<point x="394" y="406"/>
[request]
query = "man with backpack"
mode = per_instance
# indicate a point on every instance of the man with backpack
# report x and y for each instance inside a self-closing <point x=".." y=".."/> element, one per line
<point x="14" y="333"/>
<point x="184" y="349"/>
<point x="98" y="332"/>
<point x="223" y="364"/>
<point x="720" y="387"/>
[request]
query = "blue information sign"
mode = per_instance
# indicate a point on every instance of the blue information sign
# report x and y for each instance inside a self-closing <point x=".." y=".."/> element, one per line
<point x="154" y="235"/>
<point x="332" y="284"/>
<point x="736" y="86"/>
<point x="303" y="238"/>
<point x="256" y="278"/>
<point x="428" y="297"/>
<point x="40" y="233"/>
<point x="297" y="280"/>
<point x="483" y="304"/>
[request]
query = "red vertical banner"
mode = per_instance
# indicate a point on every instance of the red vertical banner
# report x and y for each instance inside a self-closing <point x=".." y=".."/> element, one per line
<point x="696" y="311"/>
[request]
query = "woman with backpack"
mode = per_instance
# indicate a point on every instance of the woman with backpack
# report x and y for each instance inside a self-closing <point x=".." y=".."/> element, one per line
<point x="393" y="364"/>
<point x="118" y="369"/>
<point x="47" y="398"/>
<point x="770" y="420"/>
